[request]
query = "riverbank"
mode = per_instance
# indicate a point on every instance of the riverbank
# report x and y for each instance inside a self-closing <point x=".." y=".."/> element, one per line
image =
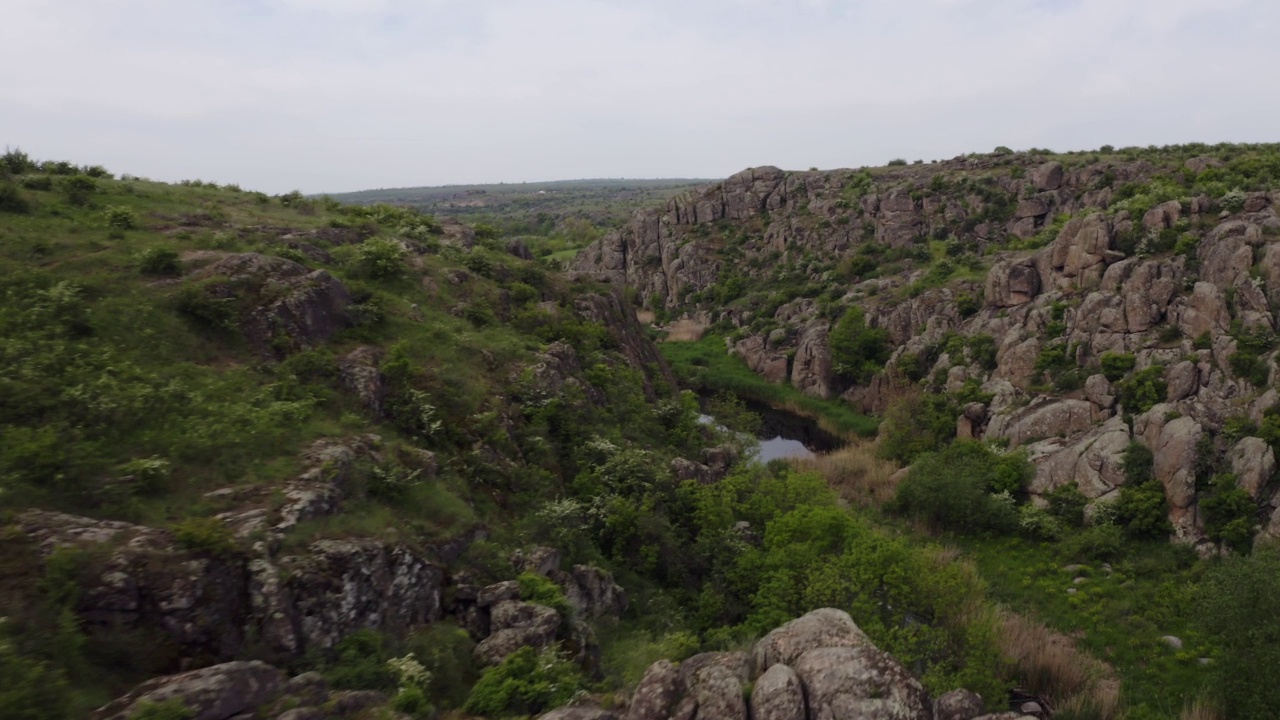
<point x="704" y="366"/>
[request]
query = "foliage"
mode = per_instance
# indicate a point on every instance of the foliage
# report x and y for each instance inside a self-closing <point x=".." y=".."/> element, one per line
<point x="1141" y="508"/>
<point x="12" y="200"/>
<point x="526" y="682"/>
<point x="381" y="258"/>
<point x="1228" y="513"/>
<point x="958" y="488"/>
<point x="205" y="536"/>
<point x="1239" y="602"/>
<point x="1116" y="365"/>
<point x="78" y="189"/>
<point x="32" y="690"/>
<point x="1143" y="389"/>
<point x="166" y="710"/>
<point x="916" y="423"/>
<point x="540" y="590"/>
<point x="360" y="662"/>
<point x="1067" y="504"/>
<point x="119" y="218"/>
<point x="857" y="351"/>
<point x="158" y="261"/>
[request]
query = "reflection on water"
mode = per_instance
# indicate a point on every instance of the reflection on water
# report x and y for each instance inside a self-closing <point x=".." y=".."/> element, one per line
<point x="784" y="435"/>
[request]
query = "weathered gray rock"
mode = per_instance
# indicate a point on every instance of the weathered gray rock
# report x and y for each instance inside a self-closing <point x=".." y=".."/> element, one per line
<point x="1012" y="283"/>
<point x="719" y="694"/>
<point x="361" y="376"/>
<point x="579" y="712"/>
<point x="1042" y="419"/>
<point x="539" y="561"/>
<point x="657" y="694"/>
<point x="517" y="624"/>
<point x="591" y="591"/>
<point x="825" y="627"/>
<point x="860" y="683"/>
<point x="1047" y="176"/>
<point x="1162" y="216"/>
<point x="1098" y="390"/>
<point x="957" y="705"/>
<point x="1254" y="464"/>
<point x="212" y="693"/>
<point x="812" y="372"/>
<point x="778" y="695"/>
<point x="498" y="592"/>
<point x="1092" y="462"/>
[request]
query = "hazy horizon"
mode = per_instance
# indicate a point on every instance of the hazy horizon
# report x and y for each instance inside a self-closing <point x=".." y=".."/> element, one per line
<point x="348" y="95"/>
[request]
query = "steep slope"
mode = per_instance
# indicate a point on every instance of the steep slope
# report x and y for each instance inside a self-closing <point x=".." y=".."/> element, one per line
<point x="1069" y="304"/>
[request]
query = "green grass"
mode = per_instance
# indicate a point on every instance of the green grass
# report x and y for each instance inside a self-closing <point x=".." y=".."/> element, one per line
<point x="1118" y="617"/>
<point x="706" y="367"/>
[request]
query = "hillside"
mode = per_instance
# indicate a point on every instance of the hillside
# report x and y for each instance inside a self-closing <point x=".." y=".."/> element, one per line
<point x="286" y="457"/>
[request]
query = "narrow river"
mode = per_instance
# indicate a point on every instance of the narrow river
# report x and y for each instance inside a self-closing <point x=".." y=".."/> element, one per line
<point x="786" y="435"/>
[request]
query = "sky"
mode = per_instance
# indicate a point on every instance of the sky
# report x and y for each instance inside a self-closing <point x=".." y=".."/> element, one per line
<point x="338" y="95"/>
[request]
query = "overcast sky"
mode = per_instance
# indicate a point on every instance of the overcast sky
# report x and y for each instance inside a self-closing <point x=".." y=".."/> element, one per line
<point x="333" y="95"/>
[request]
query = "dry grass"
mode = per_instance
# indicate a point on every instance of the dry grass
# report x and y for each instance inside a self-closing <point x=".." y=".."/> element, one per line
<point x="855" y="472"/>
<point x="685" y="330"/>
<point x="1200" y="710"/>
<point x="1073" y="683"/>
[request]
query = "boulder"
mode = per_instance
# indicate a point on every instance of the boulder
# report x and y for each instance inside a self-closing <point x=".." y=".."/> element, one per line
<point x="825" y="627"/>
<point x="778" y="695"/>
<point x="657" y="694"/>
<point x="1042" y="419"/>
<point x="957" y="705"/>
<point x="579" y="712"/>
<point x="1047" y="177"/>
<point x="361" y="376"/>
<point x="1203" y="312"/>
<point x="539" y="561"/>
<point x="719" y="694"/>
<point x="217" y="692"/>
<point x="1162" y="216"/>
<point x="1092" y="462"/>
<point x="516" y="624"/>
<point x="1099" y="391"/>
<point x="860" y="683"/>
<point x="591" y="591"/>
<point x="1254" y="463"/>
<point x="1080" y="254"/>
<point x="1012" y="283"/>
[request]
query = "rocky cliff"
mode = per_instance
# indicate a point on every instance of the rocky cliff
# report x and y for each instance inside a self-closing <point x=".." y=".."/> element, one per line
<point x="1164" y="261"/>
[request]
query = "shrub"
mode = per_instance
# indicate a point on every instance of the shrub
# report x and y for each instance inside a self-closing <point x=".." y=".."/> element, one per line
<point x="158" y="261"/>
<point x="32" y="690"/>
<point x="38" y="183"/>
<point x="12" y="199"/>
<point x="539" y="590"/>
<point x="857" y="351"/>
<point x="1116" y="365"/>
<point x="916" y="423"/>
<point x="218" y="313"/>
<point x="1099" y="543"/>
<point x="119" y="218"/>
<point x="1067" y="504"/>
<point x="1240" y="599"/>
<point x="381" y="258"/>
<point x="1248" y="366"/>
<point x="527" y="682"/>
<point x="78" y="189"/>
<point x="1143" y="390"/>
<point x="359" y="662"/>
<point x="1228" y="513"/>
<point x="205" y="536"/>
<point x="897" y="161"/>
<point x="951" y="489"/>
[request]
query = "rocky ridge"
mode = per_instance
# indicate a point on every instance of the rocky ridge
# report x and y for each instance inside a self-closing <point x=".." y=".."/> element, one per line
<point x="1096" y="288"/>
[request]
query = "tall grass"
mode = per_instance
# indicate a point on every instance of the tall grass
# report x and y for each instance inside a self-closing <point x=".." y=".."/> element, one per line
<point x="855" y="472"/>
<point x="704" y="365"/>
<point x="1075" y="684"/>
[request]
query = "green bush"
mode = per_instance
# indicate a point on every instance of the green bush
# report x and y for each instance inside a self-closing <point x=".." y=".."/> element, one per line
<point x="1098" y="543"/>
<point x="916" y="423"/>
<point x="857" y="351"/>
<point x="952" y="489"/>
<point x="39" y="183"/>
<point x="78" y="189"/>
<point x="12" y="200"/>
<point x="539" y="590"/>
<point x="381" y="258"/>
<point x="31" y="689"/>
<point x="120" y="218"/>
<point x="1067" y="504"/>
<point x="1143" y="390"/>
<point x="527" y="682"/>
<point x="205" y="536"/>
<point x="1116" y="365"/>
<point x="1228" y="513"/>
<point x="359" y="662"/>
<point x="1239" y="602"/>
<point x="158" y="261"/>
<point x="1249" y="366"/>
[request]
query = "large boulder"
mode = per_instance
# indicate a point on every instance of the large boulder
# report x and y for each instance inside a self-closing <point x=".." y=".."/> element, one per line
<point x="812" y="372"/>
<point x="860" y="683"/>
<point x="1047" y="177"/>
<point x="718" y="692"/>
<point x="516" y="624"/>
<point x="778" y="694"/>
<point x="1081" y="253"/>
<point x="1042" y="419"/>
<point x="1254" y="463"/>
<point x="218" y="692"/>
<point x="657" y="694"/>
<point x="825" y="627"/>
<point x="1012" y="283"/>
<point x="1092" y="462"/>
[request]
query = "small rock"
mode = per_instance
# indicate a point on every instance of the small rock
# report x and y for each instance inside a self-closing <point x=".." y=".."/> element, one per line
<point x="1172" y="641"/>
<point x="1072" y="591"/>
<point x="1031" y="708"/>
<point x="1080" y="580"/>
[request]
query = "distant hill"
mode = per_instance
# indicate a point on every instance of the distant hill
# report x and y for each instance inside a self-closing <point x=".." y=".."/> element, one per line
<point x="602" y="201"/>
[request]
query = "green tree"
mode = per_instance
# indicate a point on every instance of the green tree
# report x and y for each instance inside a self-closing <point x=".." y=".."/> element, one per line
<point x="1240" y="601"/>
<point x="858" y="351"/>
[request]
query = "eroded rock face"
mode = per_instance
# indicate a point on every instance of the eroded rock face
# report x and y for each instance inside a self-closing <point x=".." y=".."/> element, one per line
<point x="957" y="705"/>
<point x="1254" y="464"/>
<point x="1093" y="461"/>
<point x="285" y="305"/>
<point x="212" y="693"/>
<point x="657" y="694"/>
<point x="778" y="694"/>
<point x="516" y="624"/>
<point x="860" y="683"/>
<point x="826" y="627"/>
<point x="1042" y="419"/>
<point x="812" y="372"/>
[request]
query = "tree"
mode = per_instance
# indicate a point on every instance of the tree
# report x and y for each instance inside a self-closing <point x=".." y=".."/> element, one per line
<point x="1239" y="604"/>
<point x="858" y="351"/>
